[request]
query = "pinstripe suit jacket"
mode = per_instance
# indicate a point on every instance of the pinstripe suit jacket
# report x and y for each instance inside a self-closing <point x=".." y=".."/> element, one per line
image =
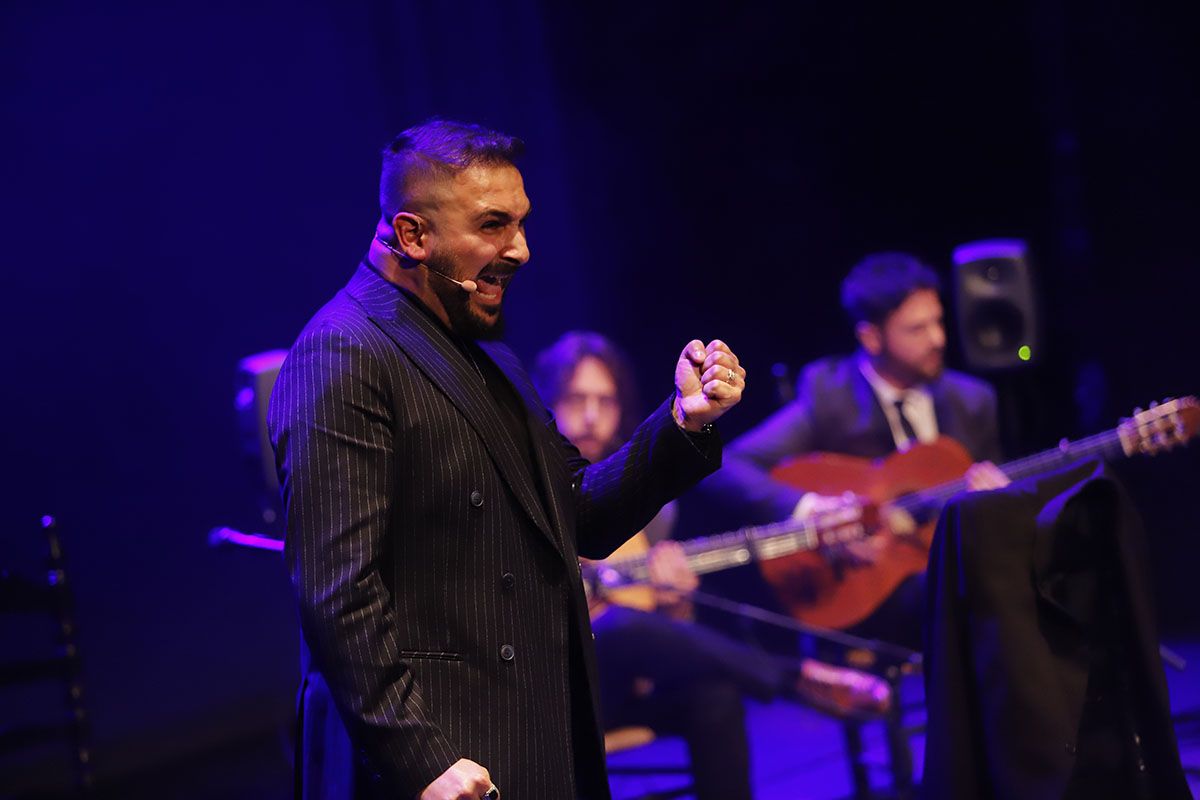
<point x="440" y="600"/>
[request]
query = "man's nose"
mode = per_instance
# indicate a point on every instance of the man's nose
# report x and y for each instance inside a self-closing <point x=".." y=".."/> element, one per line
<point x="939" y="337"/>
<point x="518" y="249"/>
<point x="591" y="409"/>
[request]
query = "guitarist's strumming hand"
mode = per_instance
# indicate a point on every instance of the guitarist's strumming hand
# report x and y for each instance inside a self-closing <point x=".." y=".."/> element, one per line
<point x="840" y="514"/>
<point x="708" y="382"/>
<point x="673" y="578"/>
<point x="861" y="551"/>
<point x="985" y="476"/>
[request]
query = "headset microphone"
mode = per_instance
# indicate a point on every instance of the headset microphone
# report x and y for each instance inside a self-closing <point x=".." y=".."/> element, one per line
<point x="468" y="286"/>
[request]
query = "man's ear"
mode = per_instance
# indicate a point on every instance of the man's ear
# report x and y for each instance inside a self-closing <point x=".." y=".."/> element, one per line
<point x="870" y="337"/>
<point x="412" y="235"/>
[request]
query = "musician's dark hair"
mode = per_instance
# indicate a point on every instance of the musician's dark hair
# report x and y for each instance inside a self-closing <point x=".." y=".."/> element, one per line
<point x="881" y="282"/>
<point x="438" y="147"/>
<point x="555" y="366"/>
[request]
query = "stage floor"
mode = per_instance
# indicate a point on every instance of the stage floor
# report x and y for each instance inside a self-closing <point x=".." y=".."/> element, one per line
<point x="798" y="754"/>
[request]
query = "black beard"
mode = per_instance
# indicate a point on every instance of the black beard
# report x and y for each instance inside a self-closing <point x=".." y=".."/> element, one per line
<point x="910" y="375"/>
<point x="465" y="322"/>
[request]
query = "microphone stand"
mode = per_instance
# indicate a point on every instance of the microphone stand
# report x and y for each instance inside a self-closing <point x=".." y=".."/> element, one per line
<point x="255" y="541"/>
<point x="887" y="650"/>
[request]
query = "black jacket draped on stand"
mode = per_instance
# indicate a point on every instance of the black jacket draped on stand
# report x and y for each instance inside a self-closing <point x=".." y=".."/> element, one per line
<point x="1042" y="652"/>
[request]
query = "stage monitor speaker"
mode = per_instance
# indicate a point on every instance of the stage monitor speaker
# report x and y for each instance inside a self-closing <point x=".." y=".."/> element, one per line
<point x="255" y="380"/>
<point x="995" y="304"/>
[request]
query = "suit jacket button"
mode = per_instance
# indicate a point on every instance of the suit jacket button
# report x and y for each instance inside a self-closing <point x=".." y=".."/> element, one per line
<point x="508" y="581"/>
<point x="508" y="652"/>
<point x="477" y="498"/>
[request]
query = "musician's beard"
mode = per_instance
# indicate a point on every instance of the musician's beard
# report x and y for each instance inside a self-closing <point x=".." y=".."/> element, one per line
<point x="594" y="450"/>
<point x="926" y="369"/>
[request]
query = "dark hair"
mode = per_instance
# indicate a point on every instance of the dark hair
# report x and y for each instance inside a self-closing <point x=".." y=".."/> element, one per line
<point x="438" y="146"/>
<point x="555" y="366"/>
<point x="881" y="282"/>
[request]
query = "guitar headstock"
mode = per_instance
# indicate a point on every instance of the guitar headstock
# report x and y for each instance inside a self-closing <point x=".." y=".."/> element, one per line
<point x="1161" y="427"/>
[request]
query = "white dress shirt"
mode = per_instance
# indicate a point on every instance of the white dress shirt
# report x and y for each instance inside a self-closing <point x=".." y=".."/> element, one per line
<point x="917" y="403"/>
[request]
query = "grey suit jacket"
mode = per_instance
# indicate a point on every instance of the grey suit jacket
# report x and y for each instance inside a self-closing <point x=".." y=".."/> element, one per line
<point x="438" y="585"/>
<point x="836" y="411"/>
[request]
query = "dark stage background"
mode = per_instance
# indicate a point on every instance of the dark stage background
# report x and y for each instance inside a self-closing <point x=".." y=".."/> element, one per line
<point x="185" y="184"/>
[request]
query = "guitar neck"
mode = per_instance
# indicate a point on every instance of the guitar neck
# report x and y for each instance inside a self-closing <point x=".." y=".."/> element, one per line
<point x="725" y="550"/>
<point x="1107" y="445"/>
<point x="765" y="542"/>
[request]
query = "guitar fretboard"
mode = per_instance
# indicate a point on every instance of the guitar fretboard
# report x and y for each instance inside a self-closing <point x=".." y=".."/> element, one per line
<point x="1105" y="445"/>
<point x="726" y="550"/>
<point x="765" y="542"/>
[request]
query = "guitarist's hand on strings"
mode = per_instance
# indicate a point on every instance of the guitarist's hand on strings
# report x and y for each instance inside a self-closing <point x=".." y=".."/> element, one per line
<point x="843" y="539"/>
<point x="985" y="476"/>
<point x="672" y="577"/>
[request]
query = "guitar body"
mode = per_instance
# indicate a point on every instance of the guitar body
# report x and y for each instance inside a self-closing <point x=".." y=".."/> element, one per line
<point x="818" y="593"/>
<point x="638" y="596"/>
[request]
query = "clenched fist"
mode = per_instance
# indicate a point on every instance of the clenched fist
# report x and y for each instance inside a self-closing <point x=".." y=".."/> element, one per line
<point x="708" y="382"/>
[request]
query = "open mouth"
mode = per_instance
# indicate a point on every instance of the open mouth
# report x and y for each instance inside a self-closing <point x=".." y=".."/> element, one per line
<point x="492" y="284"/>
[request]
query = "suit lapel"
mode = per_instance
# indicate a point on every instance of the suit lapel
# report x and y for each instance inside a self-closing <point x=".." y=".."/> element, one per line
<point x="441" y="361"/>
<point x="874" y="420"/>
<point x="947" y="420"/>
<point x="535" y="415"/>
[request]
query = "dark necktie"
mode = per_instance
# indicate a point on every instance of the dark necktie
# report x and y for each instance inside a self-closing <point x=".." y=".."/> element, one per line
<point x="905" y="425"/>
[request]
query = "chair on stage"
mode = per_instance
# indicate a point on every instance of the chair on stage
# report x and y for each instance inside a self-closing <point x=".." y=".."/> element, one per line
<point x="841" y="669"/>
<point x="41" y="660"/>
<point x="864" y="664"/>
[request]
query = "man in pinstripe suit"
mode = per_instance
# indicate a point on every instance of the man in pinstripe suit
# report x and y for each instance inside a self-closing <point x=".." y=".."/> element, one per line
<point x="435" y="515"/>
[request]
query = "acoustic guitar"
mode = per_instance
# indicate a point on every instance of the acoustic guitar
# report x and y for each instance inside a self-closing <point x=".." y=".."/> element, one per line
<point x="905" y="492"/>
<point x="910" y="488"/>
<point x="624" y="577"/>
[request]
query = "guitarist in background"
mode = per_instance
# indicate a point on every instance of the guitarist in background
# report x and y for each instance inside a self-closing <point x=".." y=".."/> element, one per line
<point x="891" y="394"/>
<point x="660" y="669"/>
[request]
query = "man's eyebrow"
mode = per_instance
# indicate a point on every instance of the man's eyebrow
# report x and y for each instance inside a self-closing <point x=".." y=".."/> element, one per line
<point x="500" y="214"/>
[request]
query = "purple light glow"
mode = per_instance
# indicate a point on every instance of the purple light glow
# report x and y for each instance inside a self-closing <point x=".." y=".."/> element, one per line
<point x="263" y="362"/>
<point x="257" y="541"/>
<point x="987" y="249"/>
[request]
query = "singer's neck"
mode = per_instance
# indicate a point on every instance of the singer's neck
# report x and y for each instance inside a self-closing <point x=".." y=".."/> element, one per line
<point x="415" y="281"/>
